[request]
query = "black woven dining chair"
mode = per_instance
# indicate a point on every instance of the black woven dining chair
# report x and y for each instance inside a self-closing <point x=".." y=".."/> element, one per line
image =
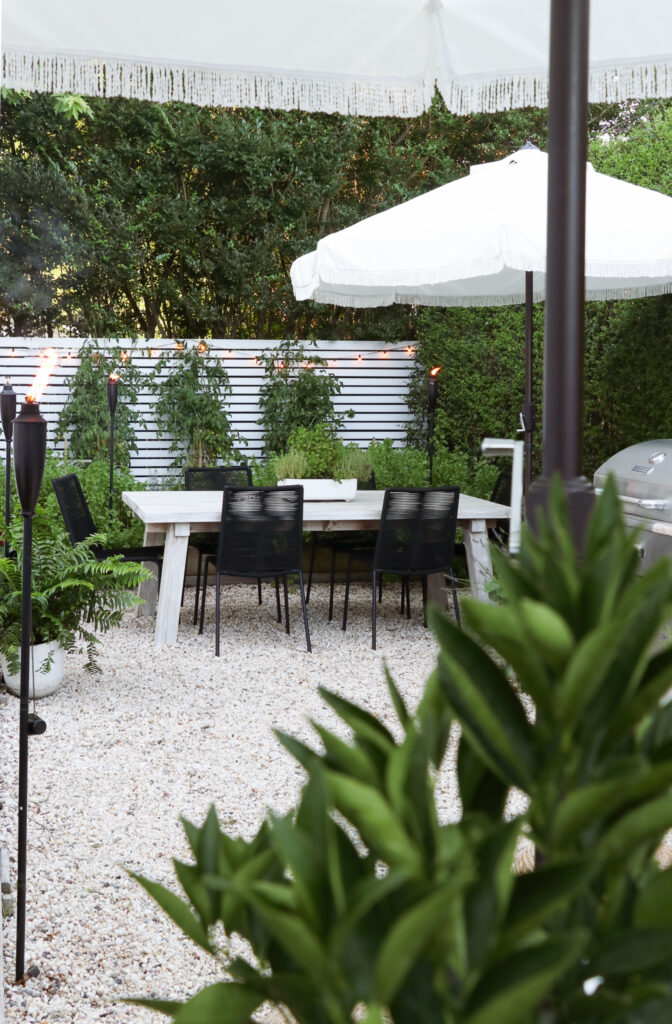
<point x="80" y="525"/>
<point x="261" y="536"/>
<point x="213" y="478"/>
<point x="415" y="539"/>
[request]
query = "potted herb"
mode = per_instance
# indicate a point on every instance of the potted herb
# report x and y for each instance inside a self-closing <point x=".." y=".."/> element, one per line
<point x="75" y="597"/>
<point x="327" y="468"/>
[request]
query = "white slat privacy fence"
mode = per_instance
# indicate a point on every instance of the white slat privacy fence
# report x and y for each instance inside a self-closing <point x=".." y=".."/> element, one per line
<point x="374" y="377"/>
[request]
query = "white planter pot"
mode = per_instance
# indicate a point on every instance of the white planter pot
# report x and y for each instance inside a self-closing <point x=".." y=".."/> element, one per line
<point x="325" y="490"/>
<point x="43" y="681"/>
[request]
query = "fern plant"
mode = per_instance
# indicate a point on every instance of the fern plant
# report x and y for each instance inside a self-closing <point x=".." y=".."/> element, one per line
<point x="75" y="597"/>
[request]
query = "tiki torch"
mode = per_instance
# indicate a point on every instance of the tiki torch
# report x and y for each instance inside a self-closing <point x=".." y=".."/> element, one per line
<point x="7" y="414"/>
<point x="432" y="391"/>
<point x="112" y="395"/>
<point x="30" y="449"/>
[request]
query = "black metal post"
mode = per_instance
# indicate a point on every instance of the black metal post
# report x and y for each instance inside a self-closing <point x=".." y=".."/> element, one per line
<point x="112" y="394"/>
<point x="432" y="391"/>
<point x="529" y="408"/>
<point x="30" y="448"/>
<point x="7" y="414"/>
<point x="565" y="262"/>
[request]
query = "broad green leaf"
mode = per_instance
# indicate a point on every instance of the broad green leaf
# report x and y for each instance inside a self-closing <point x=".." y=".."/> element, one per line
<point x="644" y="824"/>
<point x="298" y="852"/>
<point x="304" y="754"/>
<point x="381" y="829"/>
<point x="487" y="897"/>
<point x="500" y="627"/>
<point x="397" y="699"/>
<point x="585" y="672"/>
<point x="480" y="789"/>
<point x="631" y="951"/>
<point x="223" y="1002"/>
<point x="590" y="804"/>
<point x="345" y="758"/>
<point x="511" y="990"/>
<point x="484" y="702"/>
<point x="538" y="895"/>
<point x="409" y="935"/>
<point x="176" y="909"/>
<point x="190" y="878"/>
<point x="297" y="939"/>
<point x="655" y="683"/>
<point x="365" y="726"/>
<point x="653" y="905"/>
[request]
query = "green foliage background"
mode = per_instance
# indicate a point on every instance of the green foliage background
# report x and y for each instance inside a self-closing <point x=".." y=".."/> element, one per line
<point x="128" y="219"/>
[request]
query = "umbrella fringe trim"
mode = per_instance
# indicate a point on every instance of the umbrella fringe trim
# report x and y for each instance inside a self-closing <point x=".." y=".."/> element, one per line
<point x="370" y="302"/>
<point x="231" y="87"/>
<point x="212" y="87"/>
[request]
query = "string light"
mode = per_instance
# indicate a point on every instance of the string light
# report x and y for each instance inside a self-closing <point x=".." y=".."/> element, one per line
<point x="124" y="356"/>
<point x="384" y="354"/>
<point x="13" y="353"/>
<point x="359" y="359"/>
<point x="201" y="347"/>
<point x="410" y="351"/>
<point x="179" y="345"/>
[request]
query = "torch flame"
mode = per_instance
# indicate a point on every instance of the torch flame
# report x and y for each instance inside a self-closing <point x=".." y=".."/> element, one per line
<point x="115" y="376"/>
<point x="434" y="370"/>
<point x="50" y="357"/>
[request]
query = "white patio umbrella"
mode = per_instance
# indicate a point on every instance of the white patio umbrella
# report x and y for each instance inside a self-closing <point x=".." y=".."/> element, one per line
<point x="481" y="241"/>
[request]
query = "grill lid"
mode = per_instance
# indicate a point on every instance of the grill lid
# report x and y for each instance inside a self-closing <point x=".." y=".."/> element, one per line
<point x="643" y="478"/>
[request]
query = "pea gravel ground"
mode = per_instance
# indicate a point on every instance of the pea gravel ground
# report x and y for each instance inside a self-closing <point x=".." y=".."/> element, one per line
<point x="162" y="733"/>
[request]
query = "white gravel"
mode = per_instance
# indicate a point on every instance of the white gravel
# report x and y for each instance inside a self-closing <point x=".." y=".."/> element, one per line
<point x="161" y="733"/>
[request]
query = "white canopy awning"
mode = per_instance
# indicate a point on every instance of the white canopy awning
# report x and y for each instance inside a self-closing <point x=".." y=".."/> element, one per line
<point x="372" y="57"/>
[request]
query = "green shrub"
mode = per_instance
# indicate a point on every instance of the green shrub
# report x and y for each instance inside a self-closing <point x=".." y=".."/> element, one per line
<point x="297" y="392"/>
<point x="314" y="452"/>
<point x="84" y="421"/>
<point x="191" y="408"/>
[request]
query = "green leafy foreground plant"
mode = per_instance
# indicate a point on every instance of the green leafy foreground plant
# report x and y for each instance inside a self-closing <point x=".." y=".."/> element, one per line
<point x="380" y="908"/>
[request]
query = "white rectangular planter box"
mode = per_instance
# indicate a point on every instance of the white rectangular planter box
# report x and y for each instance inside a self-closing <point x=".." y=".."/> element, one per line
<point x="325" y="490"/>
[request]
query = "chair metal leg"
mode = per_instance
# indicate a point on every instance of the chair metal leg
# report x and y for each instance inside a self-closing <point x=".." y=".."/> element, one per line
<point x="347" y="594"/>
<point x="403" y="596"/>
<point x="217" y="589"/>
<point x="373" y="610"/>
<point x="456" y="607"/>
<point x="259" y="588"/>
<point x="277" y="599"/>
<point x="304" y="602"/>
<point x="424" y="601"/>
<point x="205" y="584"/>
<point x="198" y="584"/>
<point x="313" y="548"/>
<point x="284" y="585"/>
<point x="332" y="581"/>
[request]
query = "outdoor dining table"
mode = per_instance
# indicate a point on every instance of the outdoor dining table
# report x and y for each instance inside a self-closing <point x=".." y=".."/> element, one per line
<point x="174" y="514"/>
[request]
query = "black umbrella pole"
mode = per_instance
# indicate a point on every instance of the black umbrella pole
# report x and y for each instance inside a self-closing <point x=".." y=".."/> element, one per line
<point x="565" y="262"/>
<point x="26" y="625"/>
<point x="529" y="409"/>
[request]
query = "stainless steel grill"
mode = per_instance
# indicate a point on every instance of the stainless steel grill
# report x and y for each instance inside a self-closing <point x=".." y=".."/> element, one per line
<point x="643" y="475"/>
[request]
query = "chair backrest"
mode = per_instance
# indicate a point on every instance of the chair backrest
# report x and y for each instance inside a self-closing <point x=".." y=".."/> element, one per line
<point x="261" y="532"/>
<point x="78" y="519"/>
<point x="417" y="529"/>
<point x="216" y="478"/>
